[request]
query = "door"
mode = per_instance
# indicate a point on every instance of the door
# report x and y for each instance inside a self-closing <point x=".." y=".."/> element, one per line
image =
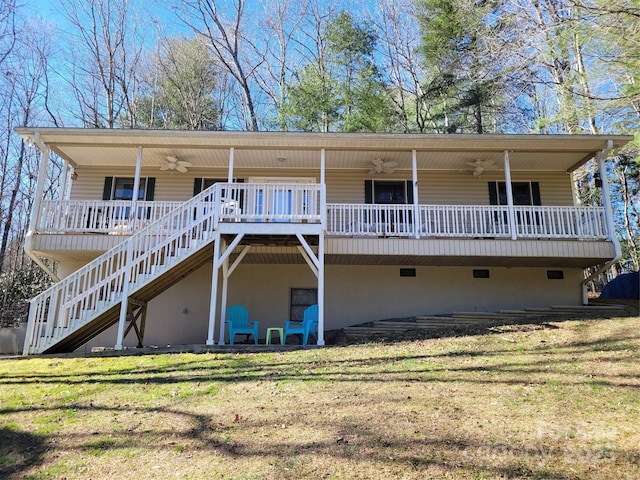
<point x="275" y="201"/>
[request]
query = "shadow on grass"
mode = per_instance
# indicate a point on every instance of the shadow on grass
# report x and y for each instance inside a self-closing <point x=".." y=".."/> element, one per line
<point x="371" y="444"/>
<point x="19" y="451"/>
<point x="373" y="440"/>
<point x="311" y="365"/>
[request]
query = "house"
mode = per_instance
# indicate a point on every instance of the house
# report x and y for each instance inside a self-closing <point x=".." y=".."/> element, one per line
<point x="156" y="233"/>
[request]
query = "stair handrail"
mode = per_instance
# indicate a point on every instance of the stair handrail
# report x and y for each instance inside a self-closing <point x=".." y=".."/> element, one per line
<point x="53" y="309"/>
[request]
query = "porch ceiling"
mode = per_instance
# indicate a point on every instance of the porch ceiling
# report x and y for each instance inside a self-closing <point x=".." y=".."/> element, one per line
<point x="286" y="150"/>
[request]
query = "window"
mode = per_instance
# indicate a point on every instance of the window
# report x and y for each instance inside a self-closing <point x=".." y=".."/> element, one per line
<point x="524" y="193"/>
<point x="555" y="274"/>
<point x="200" y="184"/>
<point x="301" y="298"/>
<point x="121" y="188"/>
<point x="481" y="273"/>
<point x="407" y="272"/>
<point x="388" y="191"/>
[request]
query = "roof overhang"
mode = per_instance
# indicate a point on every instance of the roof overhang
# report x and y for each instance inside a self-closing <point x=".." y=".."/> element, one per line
<point x="118" y="147"/>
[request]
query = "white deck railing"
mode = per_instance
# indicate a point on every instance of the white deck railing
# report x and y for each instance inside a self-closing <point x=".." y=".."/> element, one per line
<point x="241" y="202"/>
<point x="297" y="203"/>
<point x="561" y="222"/>
<point x="370" y="220"/>
<point x="466" y="221"/>
<point x="99" y="216"/>
<point x="270" y="202"/>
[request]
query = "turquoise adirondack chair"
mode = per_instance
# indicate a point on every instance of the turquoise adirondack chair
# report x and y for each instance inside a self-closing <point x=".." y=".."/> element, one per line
<point x="308" y="326"/>
<point x="238" y="323"/>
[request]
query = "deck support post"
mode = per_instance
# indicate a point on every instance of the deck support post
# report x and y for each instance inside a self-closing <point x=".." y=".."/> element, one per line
<point x="124" y="310"/>
<point x="321" y="288"/>
<point x="213" y="304"/>
<point x="225" y="292"/>
<point x="511" y="212"/>
<point x="316" y="264"/>
<point x="219" y="260"/>
<point x="137" y="310"/>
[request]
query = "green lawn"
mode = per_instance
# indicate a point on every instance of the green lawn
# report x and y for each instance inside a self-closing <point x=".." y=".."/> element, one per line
<point x="559" y="400"/>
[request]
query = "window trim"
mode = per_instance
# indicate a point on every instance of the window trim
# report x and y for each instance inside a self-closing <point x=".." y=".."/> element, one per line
<point x="145" y="193"/>
<point x="370" y="191"/>
<point x="495" y="192"/>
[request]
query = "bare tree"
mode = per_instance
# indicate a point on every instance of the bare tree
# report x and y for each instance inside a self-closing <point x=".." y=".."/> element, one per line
<point x="104" y="70"/>
<point x="223" y="29"/>
<point x="280" y="27"/>
<point x="7" y="28"/>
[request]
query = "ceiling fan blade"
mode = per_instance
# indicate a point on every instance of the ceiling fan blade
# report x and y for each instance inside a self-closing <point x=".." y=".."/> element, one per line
<point x="478" y="171"/>
<point x="184" y="163"/>
<point x="388" y="170"/>
<point x="373" y="171"/>
<point x="390" y="164"/>
<point x="377" y="162"/>
<point x="181" y="169"/>
<point x="164" y="167"/>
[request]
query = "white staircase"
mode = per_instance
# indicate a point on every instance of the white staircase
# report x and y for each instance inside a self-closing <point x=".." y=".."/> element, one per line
<point x="88" y="301"/>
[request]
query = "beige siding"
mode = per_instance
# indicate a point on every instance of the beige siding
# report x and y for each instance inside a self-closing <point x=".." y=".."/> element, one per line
<point x="462" y="188"/>
<point x="180" y="315"/>
<point x="343" y="186"/>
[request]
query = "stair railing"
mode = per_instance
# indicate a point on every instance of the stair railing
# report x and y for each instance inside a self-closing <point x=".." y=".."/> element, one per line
<point x="96" y="287"/>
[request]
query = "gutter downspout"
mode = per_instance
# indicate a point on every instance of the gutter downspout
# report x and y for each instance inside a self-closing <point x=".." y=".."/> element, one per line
<point x="606" y="200"/>
<point x="37" y="207"/>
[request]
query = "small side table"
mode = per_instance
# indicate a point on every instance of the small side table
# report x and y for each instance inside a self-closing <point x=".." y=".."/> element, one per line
<point x="280" y="331"/>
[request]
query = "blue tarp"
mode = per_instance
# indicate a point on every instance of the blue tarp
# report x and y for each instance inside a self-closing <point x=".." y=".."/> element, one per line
<point x="625" y="286"/>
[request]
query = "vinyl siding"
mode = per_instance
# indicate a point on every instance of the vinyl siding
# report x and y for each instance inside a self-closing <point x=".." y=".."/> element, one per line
<point x="343" y="186"/>
<point x="180" y="315"/>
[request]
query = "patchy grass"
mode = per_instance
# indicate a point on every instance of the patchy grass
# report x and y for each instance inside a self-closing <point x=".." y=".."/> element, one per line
<point x="555" y="402"/>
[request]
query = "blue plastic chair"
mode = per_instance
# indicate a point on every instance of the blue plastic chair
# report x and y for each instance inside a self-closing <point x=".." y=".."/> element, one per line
<point x="238" y="323"/>
<point x="308" y="326"/>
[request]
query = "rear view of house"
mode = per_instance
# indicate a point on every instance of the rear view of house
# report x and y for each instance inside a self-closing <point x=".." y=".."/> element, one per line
<point x="156" y="233"/>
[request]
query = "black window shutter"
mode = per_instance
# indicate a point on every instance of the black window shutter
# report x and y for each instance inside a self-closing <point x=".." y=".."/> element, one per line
<point x="108" y="185"/>
<point x="368" y="191"/>
<point x="535" y="193"/>
<point x="151" y="187"/>
<point x="409" y="192"/>
<point x="197" y="186"/>
<point x="493" y="193"/>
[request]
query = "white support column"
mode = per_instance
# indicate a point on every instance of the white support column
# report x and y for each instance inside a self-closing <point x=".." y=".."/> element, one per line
<point x="225" y="293"/>
<point x="416" y="209"/>
<point x="323" y="189"/>
<point x="124" y="303"/>
<point x="231" y="158"/>
<point x="606" y="198"/>
<point x="36" y="210"/>
<point x="574" y="190"/>
<point x="65" y="180"/>
<point x="510" y="209"/>
<point x="321" y="288"/>
<point x="133" y="214"/>
<point x="221" y="260"/>
<point x="213" y="303"/>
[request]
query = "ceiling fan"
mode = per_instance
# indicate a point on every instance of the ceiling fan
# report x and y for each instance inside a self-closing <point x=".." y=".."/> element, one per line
<point x="479" y="166"/>
<point x="380" y="166"/>
<point x="173" y="164"/>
